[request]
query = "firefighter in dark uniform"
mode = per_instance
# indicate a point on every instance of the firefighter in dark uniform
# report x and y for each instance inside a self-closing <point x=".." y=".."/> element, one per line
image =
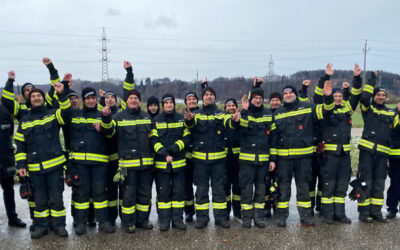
<point x="393" y="193"/>
<point x="379" y="121"/>
<point x="39" y="152"/>
<point x="191" y="101"/>
<point x="255" y="128"/>
<point x="208" y="154"/>
<point x="7" y="166"/>
<point x="292" y="150"/>
<point x="336" y="135"/>
<point x="169" y="138"/>
<point x="132" y="128"/>
<point x="232" y="149"/>
<point x="89" y="157"/>
<point x="153" y="106"/>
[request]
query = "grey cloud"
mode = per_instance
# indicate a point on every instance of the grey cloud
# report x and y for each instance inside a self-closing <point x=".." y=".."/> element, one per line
<point x="113" y="12"/>
<point x="163" y="21"/>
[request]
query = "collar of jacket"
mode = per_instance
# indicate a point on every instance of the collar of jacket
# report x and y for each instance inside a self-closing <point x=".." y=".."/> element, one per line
<point x="378" y="106"/>
<point x="153" y="115"/>
<point x="254" y="109"/>
<point x="292" y="104"/>
<point x="169" y="115"/>
<point x="194" y="109"/>
<point x="210" y="108"/>
<point x="114" y="109"/>
<point x="39" y="109"/>
<point x="133" y="111"/>
<point x="86" y="109"/>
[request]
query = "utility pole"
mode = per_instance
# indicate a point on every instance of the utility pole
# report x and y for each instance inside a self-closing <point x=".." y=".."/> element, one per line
<point x="365" y="50"/>
<point x="197" y="81"/>
<point x="271" y="75"/>
<point x="104" y="60"/>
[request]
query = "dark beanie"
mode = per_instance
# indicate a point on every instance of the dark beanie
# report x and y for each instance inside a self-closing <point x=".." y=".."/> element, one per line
<point x="110" y="93"/>
<point x="152" y="100"/>
<point x="134" y="92"/>
<point x="191" y="94"/>
<point x="88" y="91"/>
<point x="289" y="87"/>
<point x="35" y="90"/>
<point x="72" y="93"/>
<point x="378" y="89"/>
<point x="231" y="100"/>
<point x="257" y="91"/>
<point x="26" y="85"/>
<point x="337" y="90"/>
<point x="275" y="95"/>
<point x="208" y="89"/>
<point x="167" y="97"/>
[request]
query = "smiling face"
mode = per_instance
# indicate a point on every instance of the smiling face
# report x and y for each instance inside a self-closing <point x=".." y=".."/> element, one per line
<point x="36" y="99"/>
<point x="168" y="106"/>
<point x="380" y="97"/>
<point x="110" y="100"/>
<point x="230" y="108"/>
<point x="26" y="92"/>
<point x="74" y="100"/>
<point x="191" y="102"/>
<point x="90" y="101"/>
<point x="208" y="98"/>
<point x="257" y="101"/>
<point x="289" y="96"/>
<point x="133" y="102"/>
<point x="338" y="98"/>
<point x="275" y="103"/>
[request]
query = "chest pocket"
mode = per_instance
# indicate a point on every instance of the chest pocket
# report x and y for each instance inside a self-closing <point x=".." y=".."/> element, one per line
<point x="127" y="133"/>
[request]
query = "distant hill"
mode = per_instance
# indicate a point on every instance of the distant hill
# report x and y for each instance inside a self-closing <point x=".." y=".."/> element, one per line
<point x="238" y="86"/>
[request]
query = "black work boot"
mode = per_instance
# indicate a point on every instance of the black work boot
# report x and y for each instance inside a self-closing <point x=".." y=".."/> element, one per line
<point x="280" y="221"/>
<point x="202" y="222"/>
<point x="365" y="218"/>
<point x="80" y="229"/>
<point x="307" y="221"/>
<point x="147" y="225"/>
<point x="39" y="232"/>
<point x="259" y="217"/>
<point x="222" y="223"/>
<point x="106" y="227"/>
<point x="61" y="231"/>
<point x="390" y="215"/>
<point x="165" y="226"/>
<point x="16" y="222"/>
<point x="379" y="218"/>
<point x="179" y="225"/>
<point x="130" y="229"/>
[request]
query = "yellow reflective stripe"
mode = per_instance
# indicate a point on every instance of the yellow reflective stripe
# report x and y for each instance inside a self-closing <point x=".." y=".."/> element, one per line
<point x="295" y="151"/>
<point x="143" y="208"/>
<point x="19" y="137"/>
<point x="273" y="126"/>
<point x="79" y="120"/>
<point x="59" y="117"/>
<point x="204" y="206"/>
<point x="129" y="86"/>
<point x="260" y="119"/>
<point x="259" y="205"/>
<point x="326" y="200"/>
<point x="20" y="157"/>
<point x="368" y="88"/>
<point x="160" y="164"/>
<point x="38" y="122"/>
<point x="113" y="157"/>
<point x="8" y="95"/>
<point x="382" y="112"/>
<point x="376" y="201"/>
<point x="348" y="107"/>
<point x="161" y="125"/>
<point x="31" y="204"/>
<point x="175" y="125"/>
<point x="178" y="204"/>
<point x="318" y="91"/>
<point x="273" y="151"/>
<point x="158" y="146"/>
<point x="65" y="104"/>
<point x="355" y="91"/>
<point x="236" y="150"/>
<point x="186" y="132"/>
<point x="293" y="113"/>
<point x="134" y="122"/>
<point x="267" y="197"/>
<point x="180" y="144"/>
<point x="208" y="156"/>
<point x="219" y="205"/>
<point x="367" y="144"/>
<point x="363" y="108"/>
<point x="54" y="81"/>
<point x="164" y="205"/>
<point x="319" y="193"/>
<point x="106" y="125"/>
<point x="43" y="214"/>
<point x="101" y="204"/>
<point x="113" y="203"/>
<point x="318" y="110"/>
<point x="305" y="204"/>
<point x="393" y="151"/>
<point x="189" y="203"/>
<point x="47" y="164"/>
<point x="329" y="106"/>
<point x="367" y="202"/>
<point x="100" y="107"/>
<point x="247" y="206"/>
<point x="383" y="149"/>
<point x="244" y="123"/>
<point x="346" y="147"/>
<point x="338" y="199"/>
<point x="178" y="164"/>
<point x="210" y="117"/>
<point x="228" y="198"/>
<point x="283" y="204"/>
<point x="247" y="157"/>
<point x="303" y="99"/>
<point x="189" y="155"/>
<point x="312" y="193"/>
<point x="89" y="157"/>
<point x="55" y="213"/>
<point x="154" y="132"/>
<point x="396" y="121"/>
<point x="128" y="210"/>
<point x="330" y="147"/>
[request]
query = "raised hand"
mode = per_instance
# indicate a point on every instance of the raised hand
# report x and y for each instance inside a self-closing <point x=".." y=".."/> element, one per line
<point x="102" y="92"/>
<point x="68" y="78"/>
<point x="357" y="70"/>
<point x="345" y="85"/>
<point x="11" y="75"/>
<point x="306" y="82"/>
<point x="258" y="81"/>
<point x="188" y="115"/>
<point x="46" y="61"/>
<point x="59" y="87"/>
<point x="329" y="70"/>
<point x="127" y="64"/>
<point x="327" y="88"/>
<point x="236" y="116"/>
<point x="245" y="102"/>
<point x="106" y="111"/>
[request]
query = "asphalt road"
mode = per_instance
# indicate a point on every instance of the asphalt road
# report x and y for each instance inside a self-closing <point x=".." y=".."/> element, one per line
<point x="294" y="236"/>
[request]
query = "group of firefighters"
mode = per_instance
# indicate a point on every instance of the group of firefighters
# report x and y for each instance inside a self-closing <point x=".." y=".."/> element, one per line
<point x="113" y="153"/>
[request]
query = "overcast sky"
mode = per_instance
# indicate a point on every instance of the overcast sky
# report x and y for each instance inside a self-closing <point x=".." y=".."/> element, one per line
<point x="175" y="38"/>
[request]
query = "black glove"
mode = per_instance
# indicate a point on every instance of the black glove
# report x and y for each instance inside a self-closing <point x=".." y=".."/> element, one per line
<point x="71" y="176"/>
<point x="273" y="197"/>
<point x="358" y="192"/>
<point x="25" y="190"/>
